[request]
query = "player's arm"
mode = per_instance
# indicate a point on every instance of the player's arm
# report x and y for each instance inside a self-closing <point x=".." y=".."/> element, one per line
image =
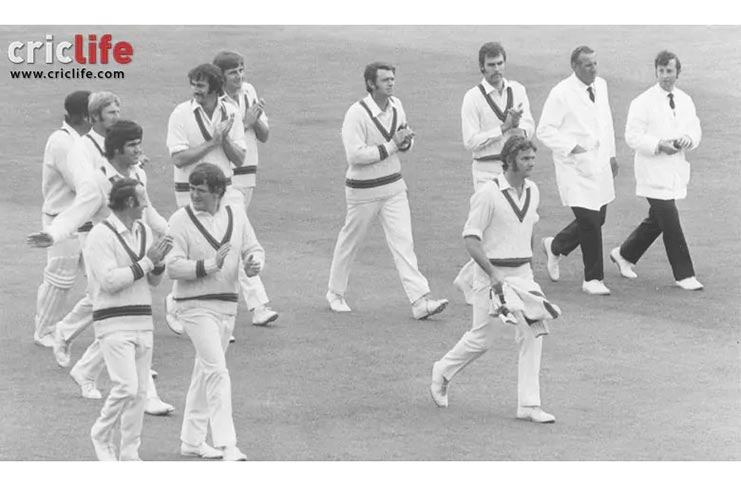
<point x="549" y="129"/>
<point x="637" y="135"/>
<point x="152" y="217"/>
<point x="156" y="253"/>
<point x="100" y="257"/>
<point x="473" y="137"/>
<point x="261" y="128"/>
<point x="479" y="217"/>
<point x="179" y="266"/>
<point x="253" y="254"/>
<point x="233" y="143"/>
<point x="179" y="146"/>
<point x="89" y="198"/>
<point x="527" y="122"/>
<point x="357" y="150"/>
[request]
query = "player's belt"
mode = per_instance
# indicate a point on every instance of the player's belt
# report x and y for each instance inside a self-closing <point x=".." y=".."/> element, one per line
<point x="85" y="228"/>
<point x="223" y="297"/>
<point x="122" y="311"/>
<point x="369" y="183"/>
<point x="245" y="169"/>
<point x="510" y="262"/>
<point x="489" y="158"/>
<point x="185" y="186"/>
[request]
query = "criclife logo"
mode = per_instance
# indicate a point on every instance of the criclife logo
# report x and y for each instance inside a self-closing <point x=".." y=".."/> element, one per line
<point x="84" y="52"/>
<point x="84" y="49"/>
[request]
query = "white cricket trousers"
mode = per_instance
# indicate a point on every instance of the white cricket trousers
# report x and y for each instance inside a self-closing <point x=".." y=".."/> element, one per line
<point x="128" y="356"/>
<point x="209" y="399"/>
<point x="480" y="338"/>
<point x="465" y="277"/>
<point x="396" y="221"/>
<point x="63" y="265"/>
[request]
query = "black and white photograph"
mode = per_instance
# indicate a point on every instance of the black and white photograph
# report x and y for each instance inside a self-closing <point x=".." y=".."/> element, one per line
<point x="367" y="242"/>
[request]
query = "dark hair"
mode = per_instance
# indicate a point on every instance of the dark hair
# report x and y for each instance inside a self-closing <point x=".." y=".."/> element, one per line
<point x="209" y="73"/>
<point x="512" y="147"/>
<point x="491" y="49"/>
<point x="578" y="52"/>
<point x="225" y="60"/>
<point x="664" y="57"/>
<point x="371" y="72"/>
<point x="120" y="133"/>
<point x="211" y="175"/>
<point x="75" y="104"/>
<point x="121" y="191"/>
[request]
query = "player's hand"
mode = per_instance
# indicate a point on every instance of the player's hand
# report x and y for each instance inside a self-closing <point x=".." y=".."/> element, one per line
<point x="143" y="161"/>
<point x="578" y="149"/>
<point x="517" y="132"/>
<point x="252" y="267"/>
<point x="221" y="130"/>
<point x="40" y="240"/>
<point x="159" y="250"/>
<point x="683" y="142"/>
<point x="403" y="136"/>
<point x="614" y="166"/>
<point x="515" y="114"/>
<point x="221" y="254"/>
<point x="667" y="147"/>
<point x="252" y="114"/>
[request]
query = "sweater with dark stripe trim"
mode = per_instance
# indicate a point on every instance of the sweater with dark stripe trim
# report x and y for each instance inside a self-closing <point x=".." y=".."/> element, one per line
<point x="371" y="153"/>
<point x="119" y="286"/>
<point x="191" y="263"/>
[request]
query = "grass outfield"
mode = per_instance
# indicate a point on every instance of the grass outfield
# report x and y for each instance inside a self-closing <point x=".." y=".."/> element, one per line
<point x="649" y="373"/>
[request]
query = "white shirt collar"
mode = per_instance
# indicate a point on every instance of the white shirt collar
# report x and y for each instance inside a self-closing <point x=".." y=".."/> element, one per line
<point x="580" y="83"/>
<point x="375" y="110"/>
<point x="489" y="88"/>
<point x="118" y="225"/>
<point x="504" y="183"/>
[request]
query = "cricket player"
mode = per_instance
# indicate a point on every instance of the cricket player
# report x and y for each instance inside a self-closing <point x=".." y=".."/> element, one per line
<point x="63" y="259"/>
<point x="211" y="240"/>
<point x="119" y="253"/>
<point x="96" y="169"/>
<point x="492" y="111"/>
<point x="243" y="96"/>
<point x="498" y="236"/>
<point x="207" y="129"/>
<point x="374" y="132"/>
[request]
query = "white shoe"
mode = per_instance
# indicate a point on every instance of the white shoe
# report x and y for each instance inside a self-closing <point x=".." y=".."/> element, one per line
<point x="172" y="322"/>
<point x="624" y="266"/>
<point x="155" y="406"/>
<point x="439" y="388"/>
<point x="87" y="387"/>
<point x="233" y="454"/>
<point x="47" y="341"/>
<point x="204" y="450"/>
<point x="535" y="414"/>
<point x="60" y="348"/>
<point x="552" y="264"/>
<point x="232" y="339"/>
<point x="425" y="307"/>
<point x="690" y="283"/>
<point x="153" y="373"/>
<point x="594" y="287"/>
<point x="263" y="315"/>
<point x="337" y="302"/>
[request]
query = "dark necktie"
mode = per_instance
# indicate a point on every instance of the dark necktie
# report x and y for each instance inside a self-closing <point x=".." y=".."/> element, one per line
<point x="591" y="93"/>
<point x="671" y="101"/>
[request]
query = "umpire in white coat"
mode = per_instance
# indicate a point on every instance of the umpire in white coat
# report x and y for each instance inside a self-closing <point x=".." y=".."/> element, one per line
<point x="662" y="126"/>
<point x="576" y="124"/>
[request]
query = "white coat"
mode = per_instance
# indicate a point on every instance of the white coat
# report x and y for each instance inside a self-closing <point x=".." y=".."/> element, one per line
<point x="570" y="118"/>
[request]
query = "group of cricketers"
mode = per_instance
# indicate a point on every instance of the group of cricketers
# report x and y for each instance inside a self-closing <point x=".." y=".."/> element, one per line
<point x="98" y="220"/>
